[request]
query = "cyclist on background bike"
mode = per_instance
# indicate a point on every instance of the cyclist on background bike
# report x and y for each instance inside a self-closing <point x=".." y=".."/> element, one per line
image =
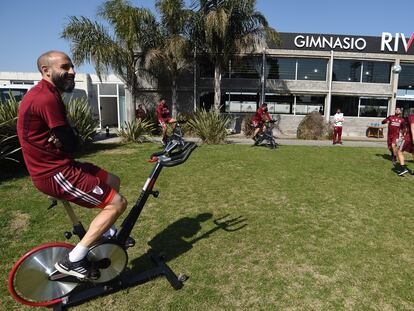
<point x="259" y="120"/>
<point x="164" y="118"/>
<point x="48" y="146"/>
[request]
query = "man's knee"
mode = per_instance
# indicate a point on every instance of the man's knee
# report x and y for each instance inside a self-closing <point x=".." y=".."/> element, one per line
<point x="118" y="203"/>
<point x="114" y="181"/>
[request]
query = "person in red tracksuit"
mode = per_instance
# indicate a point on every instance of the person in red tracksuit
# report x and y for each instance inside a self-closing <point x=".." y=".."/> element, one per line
<point x="405" y="143"/>
<point x="395" y="124"/>
<point x="261" y="116"/>
<point x="164" y="118"/>
<point x="48" y="146"/>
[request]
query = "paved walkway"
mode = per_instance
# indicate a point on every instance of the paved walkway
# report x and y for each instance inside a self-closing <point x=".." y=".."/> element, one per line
<point x="239" y="139"/>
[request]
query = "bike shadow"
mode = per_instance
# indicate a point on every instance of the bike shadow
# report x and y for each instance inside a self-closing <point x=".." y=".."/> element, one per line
<point x="175" y="239"/>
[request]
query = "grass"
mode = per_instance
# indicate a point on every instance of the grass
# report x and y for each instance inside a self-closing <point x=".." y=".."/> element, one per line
<point x="317" y="228"/>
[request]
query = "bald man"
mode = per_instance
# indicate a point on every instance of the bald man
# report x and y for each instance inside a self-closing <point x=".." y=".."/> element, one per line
<point x="48" y="146"/>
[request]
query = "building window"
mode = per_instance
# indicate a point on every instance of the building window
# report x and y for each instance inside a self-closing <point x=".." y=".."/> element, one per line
<point x="347" y="104"/>
<point x="361" y="71"/>
<point x="307" y="104"/>
<point x="240" y="102"/>
<point x="107" y="89"/>
<point x="280" y="104"/>
<point x="376" y="72"/>
<point x="312" y="69"/>
<point x="360" y="106"/>
<point x="346" y="70"/>
<point x="373" y="107"/>
<point x="407" y="107"/>
<point x="281" y="68"/>
<point x="406" y="78"/>
<point x="249" y="67"/>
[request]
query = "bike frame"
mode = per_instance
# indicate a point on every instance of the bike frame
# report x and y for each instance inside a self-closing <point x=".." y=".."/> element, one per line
<point x="123" y="279"/>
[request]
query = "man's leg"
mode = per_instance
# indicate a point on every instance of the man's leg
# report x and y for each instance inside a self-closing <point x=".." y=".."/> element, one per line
<point x="400" y="155"/>
<point x="340" y="135"/>
<point x="335" y="132"/>
<point x="76" y="263"/>
<point x="104" y="220"/>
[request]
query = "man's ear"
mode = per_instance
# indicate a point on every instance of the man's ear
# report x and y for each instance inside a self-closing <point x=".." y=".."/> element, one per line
<point x="46" y="70"/>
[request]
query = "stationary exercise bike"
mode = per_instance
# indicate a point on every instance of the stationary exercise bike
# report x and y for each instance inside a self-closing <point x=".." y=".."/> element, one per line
<point x="176" y="138"/>
<point x="266" y="136"/>
<point x="34" y="281"/>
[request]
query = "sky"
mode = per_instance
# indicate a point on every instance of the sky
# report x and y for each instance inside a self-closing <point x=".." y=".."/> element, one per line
<point x="31" y="27"/>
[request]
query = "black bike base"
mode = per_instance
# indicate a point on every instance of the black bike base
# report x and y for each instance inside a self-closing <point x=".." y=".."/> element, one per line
<point x="124" y="281"/>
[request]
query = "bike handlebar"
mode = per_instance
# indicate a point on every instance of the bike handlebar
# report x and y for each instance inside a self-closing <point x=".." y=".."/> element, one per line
<point x="175" y="158"/>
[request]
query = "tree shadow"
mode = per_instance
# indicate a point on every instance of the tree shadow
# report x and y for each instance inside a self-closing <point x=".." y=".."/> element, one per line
<point x="173" y="241"/>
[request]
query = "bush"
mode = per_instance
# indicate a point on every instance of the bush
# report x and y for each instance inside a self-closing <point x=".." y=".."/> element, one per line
<point x="136" y="130"/>
<point x="313" y="126"/>
<point x="80" y="115"/>
<point x="247" y="125"/>
<point x="210" y="126"/>
<point x="9" y="142"/>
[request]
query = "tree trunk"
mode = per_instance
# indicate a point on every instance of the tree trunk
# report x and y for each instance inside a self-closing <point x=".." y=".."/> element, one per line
<point x="217" y="87"/>
<point x="174" y="98"/>
<point x="130" y="105"/>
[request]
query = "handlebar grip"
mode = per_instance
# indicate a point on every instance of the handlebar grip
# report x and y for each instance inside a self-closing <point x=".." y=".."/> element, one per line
<point x="182" y="157"/>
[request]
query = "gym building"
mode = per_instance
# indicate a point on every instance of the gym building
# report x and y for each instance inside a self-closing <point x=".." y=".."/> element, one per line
<point x="366" y="77"/>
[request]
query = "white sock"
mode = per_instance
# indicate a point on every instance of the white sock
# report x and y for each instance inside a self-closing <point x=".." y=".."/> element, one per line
<point x="78" y="253"/>
<point x="110" y="232"/>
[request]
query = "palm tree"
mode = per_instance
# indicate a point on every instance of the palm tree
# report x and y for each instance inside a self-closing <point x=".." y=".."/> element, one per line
<point x="134" y="33"/>
<point x="226" y="28"/>
<point x="172" y="54"/>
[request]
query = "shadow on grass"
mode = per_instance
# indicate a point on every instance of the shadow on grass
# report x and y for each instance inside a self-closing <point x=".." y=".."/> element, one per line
<point x="385" y="156"/>
<point x="173" y="240"/>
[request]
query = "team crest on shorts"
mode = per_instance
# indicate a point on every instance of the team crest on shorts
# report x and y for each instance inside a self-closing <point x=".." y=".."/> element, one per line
<point x="97" y="190"/>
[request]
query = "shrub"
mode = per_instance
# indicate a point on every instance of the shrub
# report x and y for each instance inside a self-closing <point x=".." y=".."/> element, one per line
<point x="313" y="126"/>
<point x="136" y="130"/>
<point x="210" y="126"/>
<point x="247" y="125"/>
<point x="9" y="143"/>
<point x="80" y="114"/>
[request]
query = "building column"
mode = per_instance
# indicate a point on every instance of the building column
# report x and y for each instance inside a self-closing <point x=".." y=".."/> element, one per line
<point x="327" y="109"/>
<point x="394" y="88"/>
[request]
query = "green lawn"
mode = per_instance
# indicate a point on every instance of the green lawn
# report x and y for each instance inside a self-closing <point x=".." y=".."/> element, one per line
<point x="319" y="229"/>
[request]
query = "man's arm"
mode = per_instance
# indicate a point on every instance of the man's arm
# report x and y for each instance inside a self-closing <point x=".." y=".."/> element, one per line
<point x="385" y="120"/>
<point x="65" y="138"/>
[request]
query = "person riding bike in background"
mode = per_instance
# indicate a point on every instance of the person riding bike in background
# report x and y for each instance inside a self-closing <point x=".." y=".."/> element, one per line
<point x="164" y="118"/>
<point x="259" y="120"/>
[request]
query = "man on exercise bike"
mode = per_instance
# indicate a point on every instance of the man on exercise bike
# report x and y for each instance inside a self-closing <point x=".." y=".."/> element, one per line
<point x="48" y="146"/>
<point x="164" y="118"/>
<point x="259" y="120"/>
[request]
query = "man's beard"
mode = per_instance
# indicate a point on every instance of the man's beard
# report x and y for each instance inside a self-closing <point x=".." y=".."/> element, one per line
<point x="64" y="82"/>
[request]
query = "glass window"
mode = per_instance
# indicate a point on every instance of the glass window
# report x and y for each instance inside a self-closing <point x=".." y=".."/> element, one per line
<point x="239" y="102"/>
<point x="281" y="68"/>
<point x="407" y="107"/>
<point x="346" y="70"/>
<point x="406" y="77"/>
<point x="347" y="104"/>
<point x="107" y="89"/>
<point x="373" y="107"/>
<point x="306" y="104"/>
<point x="7" y="94"/>
<point x="312" y="69"/>
<point x="280" y="104"/>
<point x="376" y="72"/>
<point x="245" y="68"/>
